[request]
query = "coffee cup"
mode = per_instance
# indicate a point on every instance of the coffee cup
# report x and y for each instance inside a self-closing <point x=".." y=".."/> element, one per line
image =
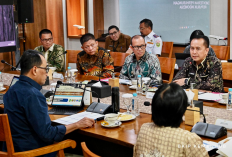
<point x="134" y="82"/>
<point x="111" y="118"/>
<point x="223" y="95"/>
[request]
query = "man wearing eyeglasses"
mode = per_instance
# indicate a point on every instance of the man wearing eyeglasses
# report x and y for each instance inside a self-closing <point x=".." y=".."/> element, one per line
<point x="94" y="60"/>
<point x="117" y="41"/>
<point x="141" y="62"/>
<point x="27" y="109"/>
<point x="153" y="41"/>
<point x="53" y="53"/>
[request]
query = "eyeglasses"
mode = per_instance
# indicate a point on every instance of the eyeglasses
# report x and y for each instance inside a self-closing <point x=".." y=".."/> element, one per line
<point x="137" y="47"/>
<point x="45" y="68"/>
<point x="87" y="47"/>
<point x="111" y="34"/>
<point x="46" y="40"/>
<point x="142" y="28"/>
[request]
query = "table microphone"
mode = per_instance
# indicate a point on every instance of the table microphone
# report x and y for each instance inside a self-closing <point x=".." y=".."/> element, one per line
<point x="13" y="68"/>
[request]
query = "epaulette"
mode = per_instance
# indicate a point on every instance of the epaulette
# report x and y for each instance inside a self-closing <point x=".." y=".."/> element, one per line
<point x="156" y="36"/>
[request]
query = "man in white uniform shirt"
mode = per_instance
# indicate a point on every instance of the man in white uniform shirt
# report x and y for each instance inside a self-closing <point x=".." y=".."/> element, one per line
<point x="153" y="41"/>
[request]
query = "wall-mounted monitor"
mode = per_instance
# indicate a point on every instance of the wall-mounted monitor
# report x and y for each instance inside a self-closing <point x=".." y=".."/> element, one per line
<point x="7" y="28"/>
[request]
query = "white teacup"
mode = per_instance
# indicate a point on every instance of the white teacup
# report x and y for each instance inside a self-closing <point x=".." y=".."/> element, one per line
<point x="111" y="118"/>
<point x="52" y="69"/>
<point x="224" y="95"/>
<point x="134" y="82"/>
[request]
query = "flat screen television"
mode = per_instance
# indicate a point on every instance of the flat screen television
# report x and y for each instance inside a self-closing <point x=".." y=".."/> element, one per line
<point x="7" y="28"/>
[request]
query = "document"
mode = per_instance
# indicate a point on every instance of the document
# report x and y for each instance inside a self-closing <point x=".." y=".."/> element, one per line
<point x="76" y="117"/>
<point x="210" y="96"/>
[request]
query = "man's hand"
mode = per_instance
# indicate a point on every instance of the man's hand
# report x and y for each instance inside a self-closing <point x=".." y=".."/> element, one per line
<point x="85" y="123"/>
<point x="180" y="81"/>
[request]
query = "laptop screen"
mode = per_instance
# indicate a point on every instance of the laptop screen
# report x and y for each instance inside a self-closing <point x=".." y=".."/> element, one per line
<point x="14" y="80"/>
<point x="69" y="95"/>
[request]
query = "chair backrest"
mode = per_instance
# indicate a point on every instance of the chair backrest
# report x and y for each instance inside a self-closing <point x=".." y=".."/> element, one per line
<point x="227" y="75"/>
<point x="71" y="56"/>
<point x="119" y="58"/>
<point x="86" y="151"/>
<point x="167" y="66"/>
<point x="167" y="49"/>
<point x="5" y="135"/>
<point x="222" y="52"/>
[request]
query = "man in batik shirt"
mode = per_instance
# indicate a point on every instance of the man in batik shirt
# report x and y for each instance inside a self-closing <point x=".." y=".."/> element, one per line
<point x="140" y="62"/>
<point x="94" y="60"/>
<point x="203" y="70"/>
<point x="53" y="53"/>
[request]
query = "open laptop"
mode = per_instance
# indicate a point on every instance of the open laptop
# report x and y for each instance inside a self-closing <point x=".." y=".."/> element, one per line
<point x="67" y="99"/>
<point x="180" y="58"/>
<point x="13" y="81"/>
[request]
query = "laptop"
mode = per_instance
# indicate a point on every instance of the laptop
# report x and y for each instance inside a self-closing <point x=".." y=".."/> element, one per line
<point x="67" y="99"/>
<point x="180" y="58"/>
<point x="13" y="81"/>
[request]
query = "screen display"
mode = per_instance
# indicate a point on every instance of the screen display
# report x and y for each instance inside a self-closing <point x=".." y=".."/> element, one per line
<point x="68" y="95"/>
<point x="173" y="20"/>
<point x="7" y="28"/>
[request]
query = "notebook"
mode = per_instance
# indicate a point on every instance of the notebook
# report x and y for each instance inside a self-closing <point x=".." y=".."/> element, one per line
<point x="180" y="58"/>
<point x="67" y="99"/>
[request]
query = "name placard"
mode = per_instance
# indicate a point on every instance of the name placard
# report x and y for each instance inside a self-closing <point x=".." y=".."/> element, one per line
<point x="226" y="123"/>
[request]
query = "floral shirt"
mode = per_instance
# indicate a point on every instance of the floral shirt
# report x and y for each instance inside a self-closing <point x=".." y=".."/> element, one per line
<point x="53" y="52"/>
<point x="206" y="76"/>
<point x="148" y="65"/>
<point x="101" y="63"/>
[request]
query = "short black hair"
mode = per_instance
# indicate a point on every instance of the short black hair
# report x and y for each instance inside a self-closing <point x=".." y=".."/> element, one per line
<point x="44" y="31"/>
<point x="196" y="32"/>
<point x="147" y="22"/>
<point x="113" y="26"/>
<point x="136" y="37"/>
<point x="205" y="38"/>
<point x="29" y="59"/>
<point x="169" y="105"/>
<point x="86" y="37"/>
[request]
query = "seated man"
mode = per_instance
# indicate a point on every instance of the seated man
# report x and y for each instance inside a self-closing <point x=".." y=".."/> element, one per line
<point x="116" y="41"/>
<point x="203" y="70"/>
<point x="94" y="60"/>
<point x="194" y="33"/>
<point x="28" y="111"/>
<point x="140" y="62"/>
<point x="153" y="41"/>
<point x="53" y="53"/>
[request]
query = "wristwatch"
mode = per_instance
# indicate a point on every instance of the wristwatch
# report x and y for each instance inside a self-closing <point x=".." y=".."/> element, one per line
<point x="186" y="81"/>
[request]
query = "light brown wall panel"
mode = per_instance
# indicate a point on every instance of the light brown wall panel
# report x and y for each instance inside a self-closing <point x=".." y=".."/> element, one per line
<point x="98" y="15"/>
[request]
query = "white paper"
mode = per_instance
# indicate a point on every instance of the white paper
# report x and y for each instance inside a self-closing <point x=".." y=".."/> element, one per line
<point x="150" y="95"/>
<point x="176" y="66"/>
<point x="226" y="148"/>
<point x="76" y="117"/>
<point x="210" y="96"/>
<point x="123" y="81"/>
<point x="209" y="145"/>
<point x="98" y="84"/>
<point x="57" y="75"/>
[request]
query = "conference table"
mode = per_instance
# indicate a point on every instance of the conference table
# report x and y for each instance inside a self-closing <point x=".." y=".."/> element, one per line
<point x="118" y="141"/>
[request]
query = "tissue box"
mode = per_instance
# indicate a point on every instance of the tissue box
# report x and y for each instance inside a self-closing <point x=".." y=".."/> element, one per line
<point x="102" y="92"/>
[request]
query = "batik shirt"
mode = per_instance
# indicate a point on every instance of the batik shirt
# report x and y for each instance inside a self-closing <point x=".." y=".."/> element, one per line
<point x="147" y="66"/>
<point x="101" y="63"/>
<point x="54" y="55"/>
<point x="206" y="76"/>
<point x="121" y="45"/>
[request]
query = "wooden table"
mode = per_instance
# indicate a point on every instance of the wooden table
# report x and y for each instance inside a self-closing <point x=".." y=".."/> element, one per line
<point x="103" y="141"/>
<point x="118" y="141"/>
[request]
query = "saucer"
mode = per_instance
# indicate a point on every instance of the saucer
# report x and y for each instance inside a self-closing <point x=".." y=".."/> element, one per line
<point x="2" y="89"/>
<point x="116" y="124"/>
<point x="133" y="87"/>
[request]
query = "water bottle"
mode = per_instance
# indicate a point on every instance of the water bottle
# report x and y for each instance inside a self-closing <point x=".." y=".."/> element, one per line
<point x="68" y="75"/>
<point x="229" y="105"/>
<point x="139" y="84"/>
<point x="135" y="105"/>
<point x="1" y="81"/>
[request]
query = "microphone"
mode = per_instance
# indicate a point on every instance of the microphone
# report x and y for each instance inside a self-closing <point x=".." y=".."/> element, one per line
<point x="13" y="68"/>
<point x="147" y="103"/>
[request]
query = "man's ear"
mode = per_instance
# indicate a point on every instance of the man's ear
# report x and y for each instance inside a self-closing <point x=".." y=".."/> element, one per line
<point x="34" y="71"/>
<point x="96" y="43"/>
<point x="82" y="47"/>
<point x="131" y="48"/>
<point x="40" y="41"/>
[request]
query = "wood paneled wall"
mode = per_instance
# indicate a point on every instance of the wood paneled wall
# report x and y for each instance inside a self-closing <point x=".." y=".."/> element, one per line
<point x="98" y="14"/>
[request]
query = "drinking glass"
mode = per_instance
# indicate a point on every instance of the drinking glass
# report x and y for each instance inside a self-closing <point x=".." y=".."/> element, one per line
<point x="127" y="100"/>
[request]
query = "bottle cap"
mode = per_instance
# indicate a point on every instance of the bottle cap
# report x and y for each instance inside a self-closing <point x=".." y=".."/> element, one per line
<point x="230" y="89"/>
<point x="69" y="67"/>
<point x="139" y="75"/>
<point x="134" y="94"/>
<point x="0" y="72"/>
